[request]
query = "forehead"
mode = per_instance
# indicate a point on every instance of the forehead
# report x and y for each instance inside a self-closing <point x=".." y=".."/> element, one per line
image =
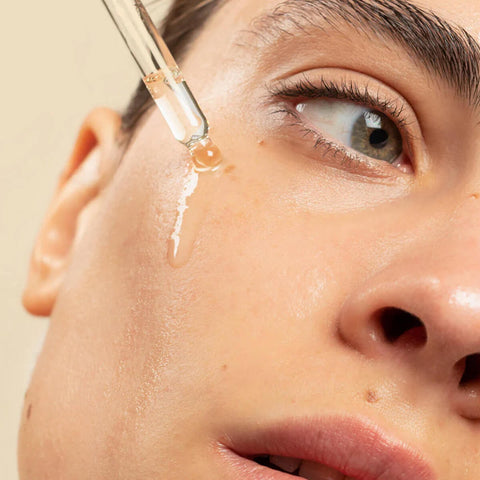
<point x="465" y="13"/>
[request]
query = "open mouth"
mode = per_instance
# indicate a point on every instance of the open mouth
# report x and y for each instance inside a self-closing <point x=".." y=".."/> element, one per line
<point x="300" y="468"/>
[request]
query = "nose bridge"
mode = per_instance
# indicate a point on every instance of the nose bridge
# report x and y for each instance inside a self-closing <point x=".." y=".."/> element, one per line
<point x="447" y="287"/>
<point x="464" y="221"/>
<point x="454" y="250"/>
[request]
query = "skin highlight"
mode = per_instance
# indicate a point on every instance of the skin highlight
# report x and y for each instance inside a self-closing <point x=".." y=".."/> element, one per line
<point x="278" y="312"/>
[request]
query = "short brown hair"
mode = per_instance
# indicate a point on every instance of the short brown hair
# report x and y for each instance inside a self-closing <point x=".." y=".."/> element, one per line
<point x="182" y="23"/>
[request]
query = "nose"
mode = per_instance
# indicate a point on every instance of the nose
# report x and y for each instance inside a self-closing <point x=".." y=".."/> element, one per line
<point x="423" y="309"/>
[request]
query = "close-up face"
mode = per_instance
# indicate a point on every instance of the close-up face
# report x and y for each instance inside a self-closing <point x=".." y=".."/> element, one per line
<point x="320" y="313"/>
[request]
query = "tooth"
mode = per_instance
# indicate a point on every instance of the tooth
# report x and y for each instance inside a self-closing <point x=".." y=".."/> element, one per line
<point x="285" y="463"/>
<point x="316" y="471"/>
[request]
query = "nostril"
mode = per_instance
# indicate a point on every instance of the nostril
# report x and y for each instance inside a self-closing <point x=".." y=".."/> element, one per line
<point x="468" y="394"/>
<point x="471" y="373"/>
<point x="401" y="327"/>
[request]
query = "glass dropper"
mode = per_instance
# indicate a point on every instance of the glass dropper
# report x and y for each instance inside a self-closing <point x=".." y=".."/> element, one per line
<point x="164" y="81"/>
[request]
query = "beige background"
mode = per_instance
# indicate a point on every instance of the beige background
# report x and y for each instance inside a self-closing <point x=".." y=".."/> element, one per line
<point x="58" y="60"/>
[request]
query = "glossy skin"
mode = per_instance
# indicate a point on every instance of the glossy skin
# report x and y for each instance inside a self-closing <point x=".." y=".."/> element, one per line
<point x="146" y="368"/>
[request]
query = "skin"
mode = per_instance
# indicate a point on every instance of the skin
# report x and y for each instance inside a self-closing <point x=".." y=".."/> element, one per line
<point x="146" y="367"/>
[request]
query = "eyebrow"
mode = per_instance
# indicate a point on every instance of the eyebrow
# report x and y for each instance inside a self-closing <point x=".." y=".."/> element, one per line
<point x="446" y="50"/>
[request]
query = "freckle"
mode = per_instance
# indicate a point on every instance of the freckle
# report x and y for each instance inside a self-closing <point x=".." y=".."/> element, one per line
<point x="230" y="168"/>
<point x="371" y="396"/>
<point x="224" y="366"/>
<point x="29" y="411"/>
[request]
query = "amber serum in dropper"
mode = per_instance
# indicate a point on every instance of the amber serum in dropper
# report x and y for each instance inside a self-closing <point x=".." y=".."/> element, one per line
<point x="181" y="111"/>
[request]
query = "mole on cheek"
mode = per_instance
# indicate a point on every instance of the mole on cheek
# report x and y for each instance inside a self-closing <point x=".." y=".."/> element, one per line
<point x="371" y="396"/>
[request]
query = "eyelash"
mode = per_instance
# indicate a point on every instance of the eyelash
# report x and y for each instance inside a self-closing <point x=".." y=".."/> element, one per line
<point x="343" y="90"/>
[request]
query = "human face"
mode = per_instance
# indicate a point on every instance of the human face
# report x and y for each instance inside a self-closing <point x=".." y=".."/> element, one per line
<point x="330" y="309"/>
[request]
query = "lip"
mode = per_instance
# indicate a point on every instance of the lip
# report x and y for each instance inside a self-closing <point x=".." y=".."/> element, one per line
<point x="355" y="447"/>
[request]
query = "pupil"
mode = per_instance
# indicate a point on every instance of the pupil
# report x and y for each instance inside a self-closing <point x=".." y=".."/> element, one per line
<point x="379" y="138"/>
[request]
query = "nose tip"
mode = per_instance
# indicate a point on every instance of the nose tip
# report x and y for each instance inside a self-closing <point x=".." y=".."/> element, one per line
<point x="430" y="321"/>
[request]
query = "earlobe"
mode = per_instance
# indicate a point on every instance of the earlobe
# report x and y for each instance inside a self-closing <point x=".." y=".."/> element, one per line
<point x="88" y="170"/>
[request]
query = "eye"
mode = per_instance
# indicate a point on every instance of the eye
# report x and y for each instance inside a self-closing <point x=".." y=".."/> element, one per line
<point x="360" y="128"/>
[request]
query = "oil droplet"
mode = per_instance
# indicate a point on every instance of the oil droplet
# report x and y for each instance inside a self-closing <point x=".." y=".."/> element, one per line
<point x="205" y="155"/>
<point x="194" y="202"/>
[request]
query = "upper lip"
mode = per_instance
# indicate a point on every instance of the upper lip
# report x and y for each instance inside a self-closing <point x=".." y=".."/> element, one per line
<point x="356" y="447"/>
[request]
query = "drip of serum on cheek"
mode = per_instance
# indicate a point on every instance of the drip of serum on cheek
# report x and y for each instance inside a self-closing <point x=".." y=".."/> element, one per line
<point x="187" y="122"/>
<point x="191" y="210"/>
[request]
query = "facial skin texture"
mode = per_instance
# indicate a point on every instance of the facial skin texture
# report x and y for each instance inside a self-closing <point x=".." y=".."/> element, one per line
<point x="147" y="368"/>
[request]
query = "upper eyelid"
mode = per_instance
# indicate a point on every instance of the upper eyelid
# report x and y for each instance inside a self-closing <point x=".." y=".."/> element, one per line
<point x="347" y="91"/>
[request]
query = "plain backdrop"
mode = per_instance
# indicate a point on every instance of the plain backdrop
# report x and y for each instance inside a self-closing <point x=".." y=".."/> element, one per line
<point x="59" y="59"/>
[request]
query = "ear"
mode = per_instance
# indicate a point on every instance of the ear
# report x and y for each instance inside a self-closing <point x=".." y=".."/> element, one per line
<point x="88" y="170"/>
